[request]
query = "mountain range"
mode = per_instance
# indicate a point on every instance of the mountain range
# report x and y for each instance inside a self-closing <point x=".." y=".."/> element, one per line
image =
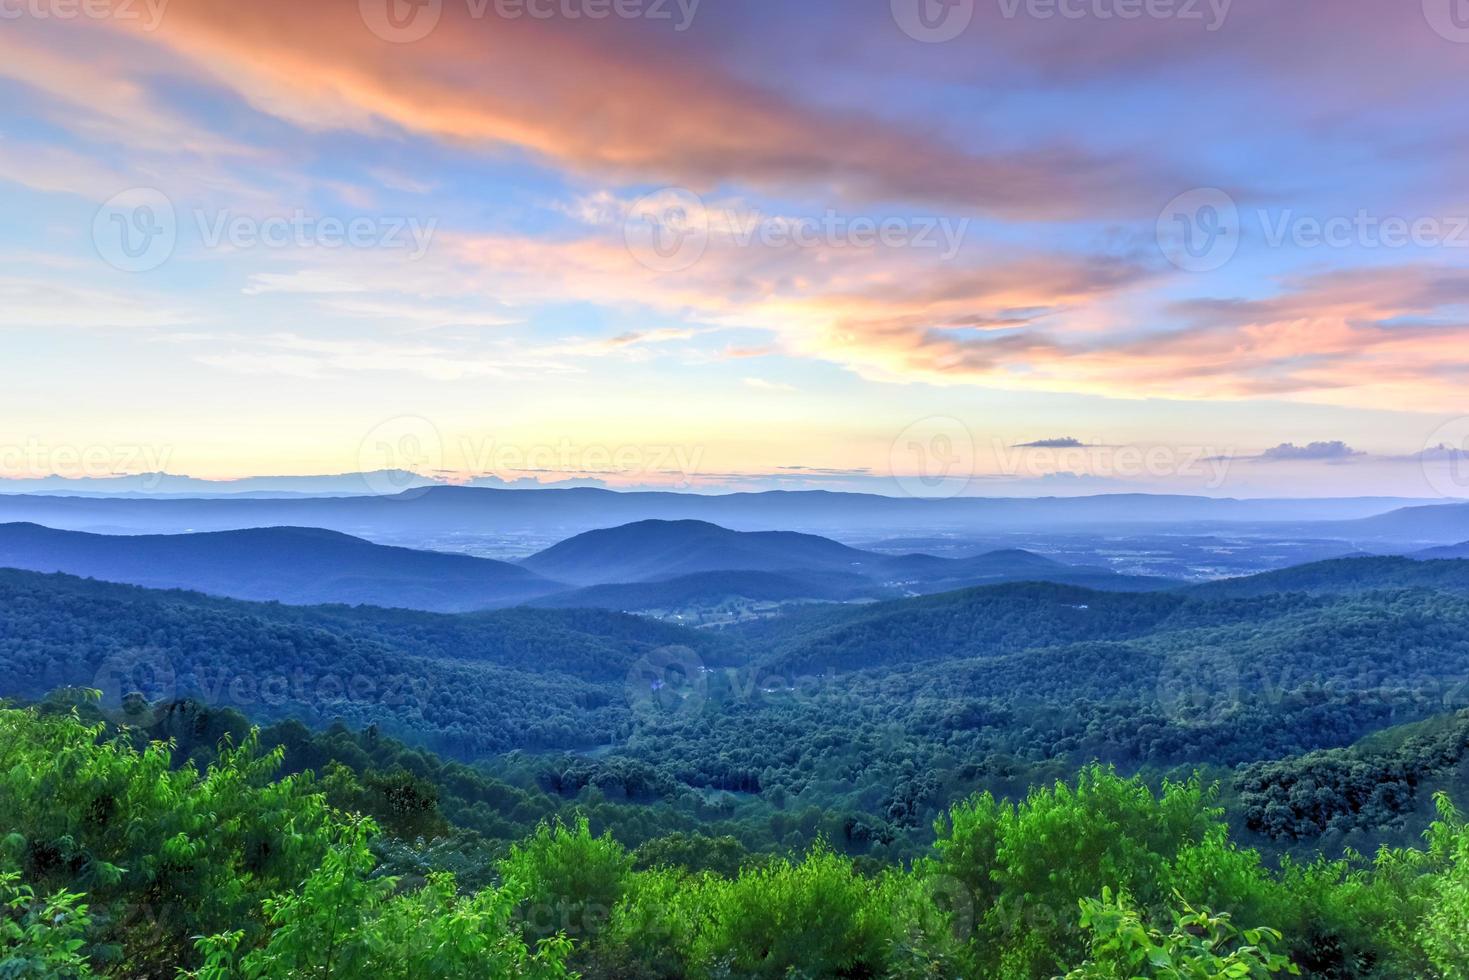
<point x="417" y="514"/>
<point x="303" y="566"/>
<point x="1382" y="645"/>
<point x="673" y="565"/>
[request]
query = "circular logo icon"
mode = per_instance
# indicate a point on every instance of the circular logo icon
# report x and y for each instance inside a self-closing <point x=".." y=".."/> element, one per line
<point x="667" y="683"/>
<point x="401" y="21"/>
<point x="1449" y="19"/>
<point x="136" y="230"/>
<point x="136" y="685"/>
<point x="668" y="230"/>
<point x="954" y="901"/>
<point x="1445" y="459"/>
<point x="933" y="21"/>
<point x="1198" y="690"/>
<point x="933" y="458"/>
<point x="1199" y="230"/>
<point x="399" y="454"/>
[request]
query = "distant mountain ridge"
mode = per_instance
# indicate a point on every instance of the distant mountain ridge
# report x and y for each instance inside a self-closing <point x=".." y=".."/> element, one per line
<point x="299" y="566"/>
<point x="1344" y="576"/>
<point x="1452" y="551"/>
<point x="166" y="485"/>
<point x="1442" y="524"/>
<point x="649" y="551"/>
<point x="471" y="510"/>
<point x="639" y="567"/>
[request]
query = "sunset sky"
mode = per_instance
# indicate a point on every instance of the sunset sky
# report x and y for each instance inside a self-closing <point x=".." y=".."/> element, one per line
<point x="1052" y="245"/>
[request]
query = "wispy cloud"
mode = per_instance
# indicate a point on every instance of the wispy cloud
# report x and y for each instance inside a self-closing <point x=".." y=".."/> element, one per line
<point x="1333" y="451"/>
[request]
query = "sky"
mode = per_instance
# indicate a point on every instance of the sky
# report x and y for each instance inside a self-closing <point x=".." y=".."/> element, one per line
<point x="939" y="247"/>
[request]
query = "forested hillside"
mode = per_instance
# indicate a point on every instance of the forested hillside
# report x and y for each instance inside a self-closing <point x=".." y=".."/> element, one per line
<point x="467" y="685"/>
<point x="875" y="717"/>
<point x="123" y="859"/>
<point x="1327" y="716"/>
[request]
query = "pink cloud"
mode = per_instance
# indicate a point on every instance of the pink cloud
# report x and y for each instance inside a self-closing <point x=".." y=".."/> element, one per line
<point x="605" y="100"/>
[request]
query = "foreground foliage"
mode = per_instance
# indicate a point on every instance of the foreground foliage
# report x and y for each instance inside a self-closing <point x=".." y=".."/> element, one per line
<point x="120" y="860"/>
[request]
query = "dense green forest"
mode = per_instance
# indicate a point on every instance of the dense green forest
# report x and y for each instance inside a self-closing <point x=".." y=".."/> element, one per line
<point x="858" y="722"/>
<point x="907" y="788"/>
<point x="122" y="857"/>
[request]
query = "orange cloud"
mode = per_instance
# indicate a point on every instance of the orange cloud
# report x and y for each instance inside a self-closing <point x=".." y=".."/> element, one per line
<point x="605" y="99"/>
<point x="1000" y="318"/>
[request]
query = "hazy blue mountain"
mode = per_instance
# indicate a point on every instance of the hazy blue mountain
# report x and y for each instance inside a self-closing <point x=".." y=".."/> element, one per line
<point x="1438" y="523"/>
<point x="302" y="566"/>
<point x="1452" y="551"/>
<point x="437" y="511"/>
<point x="1347" y="575"/>
<point x="650" y="550"/>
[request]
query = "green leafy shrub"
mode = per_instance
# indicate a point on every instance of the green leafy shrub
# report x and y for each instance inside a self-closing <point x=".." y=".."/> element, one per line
<point x="1200" y="946"/>
<point x="570" y="880"/>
